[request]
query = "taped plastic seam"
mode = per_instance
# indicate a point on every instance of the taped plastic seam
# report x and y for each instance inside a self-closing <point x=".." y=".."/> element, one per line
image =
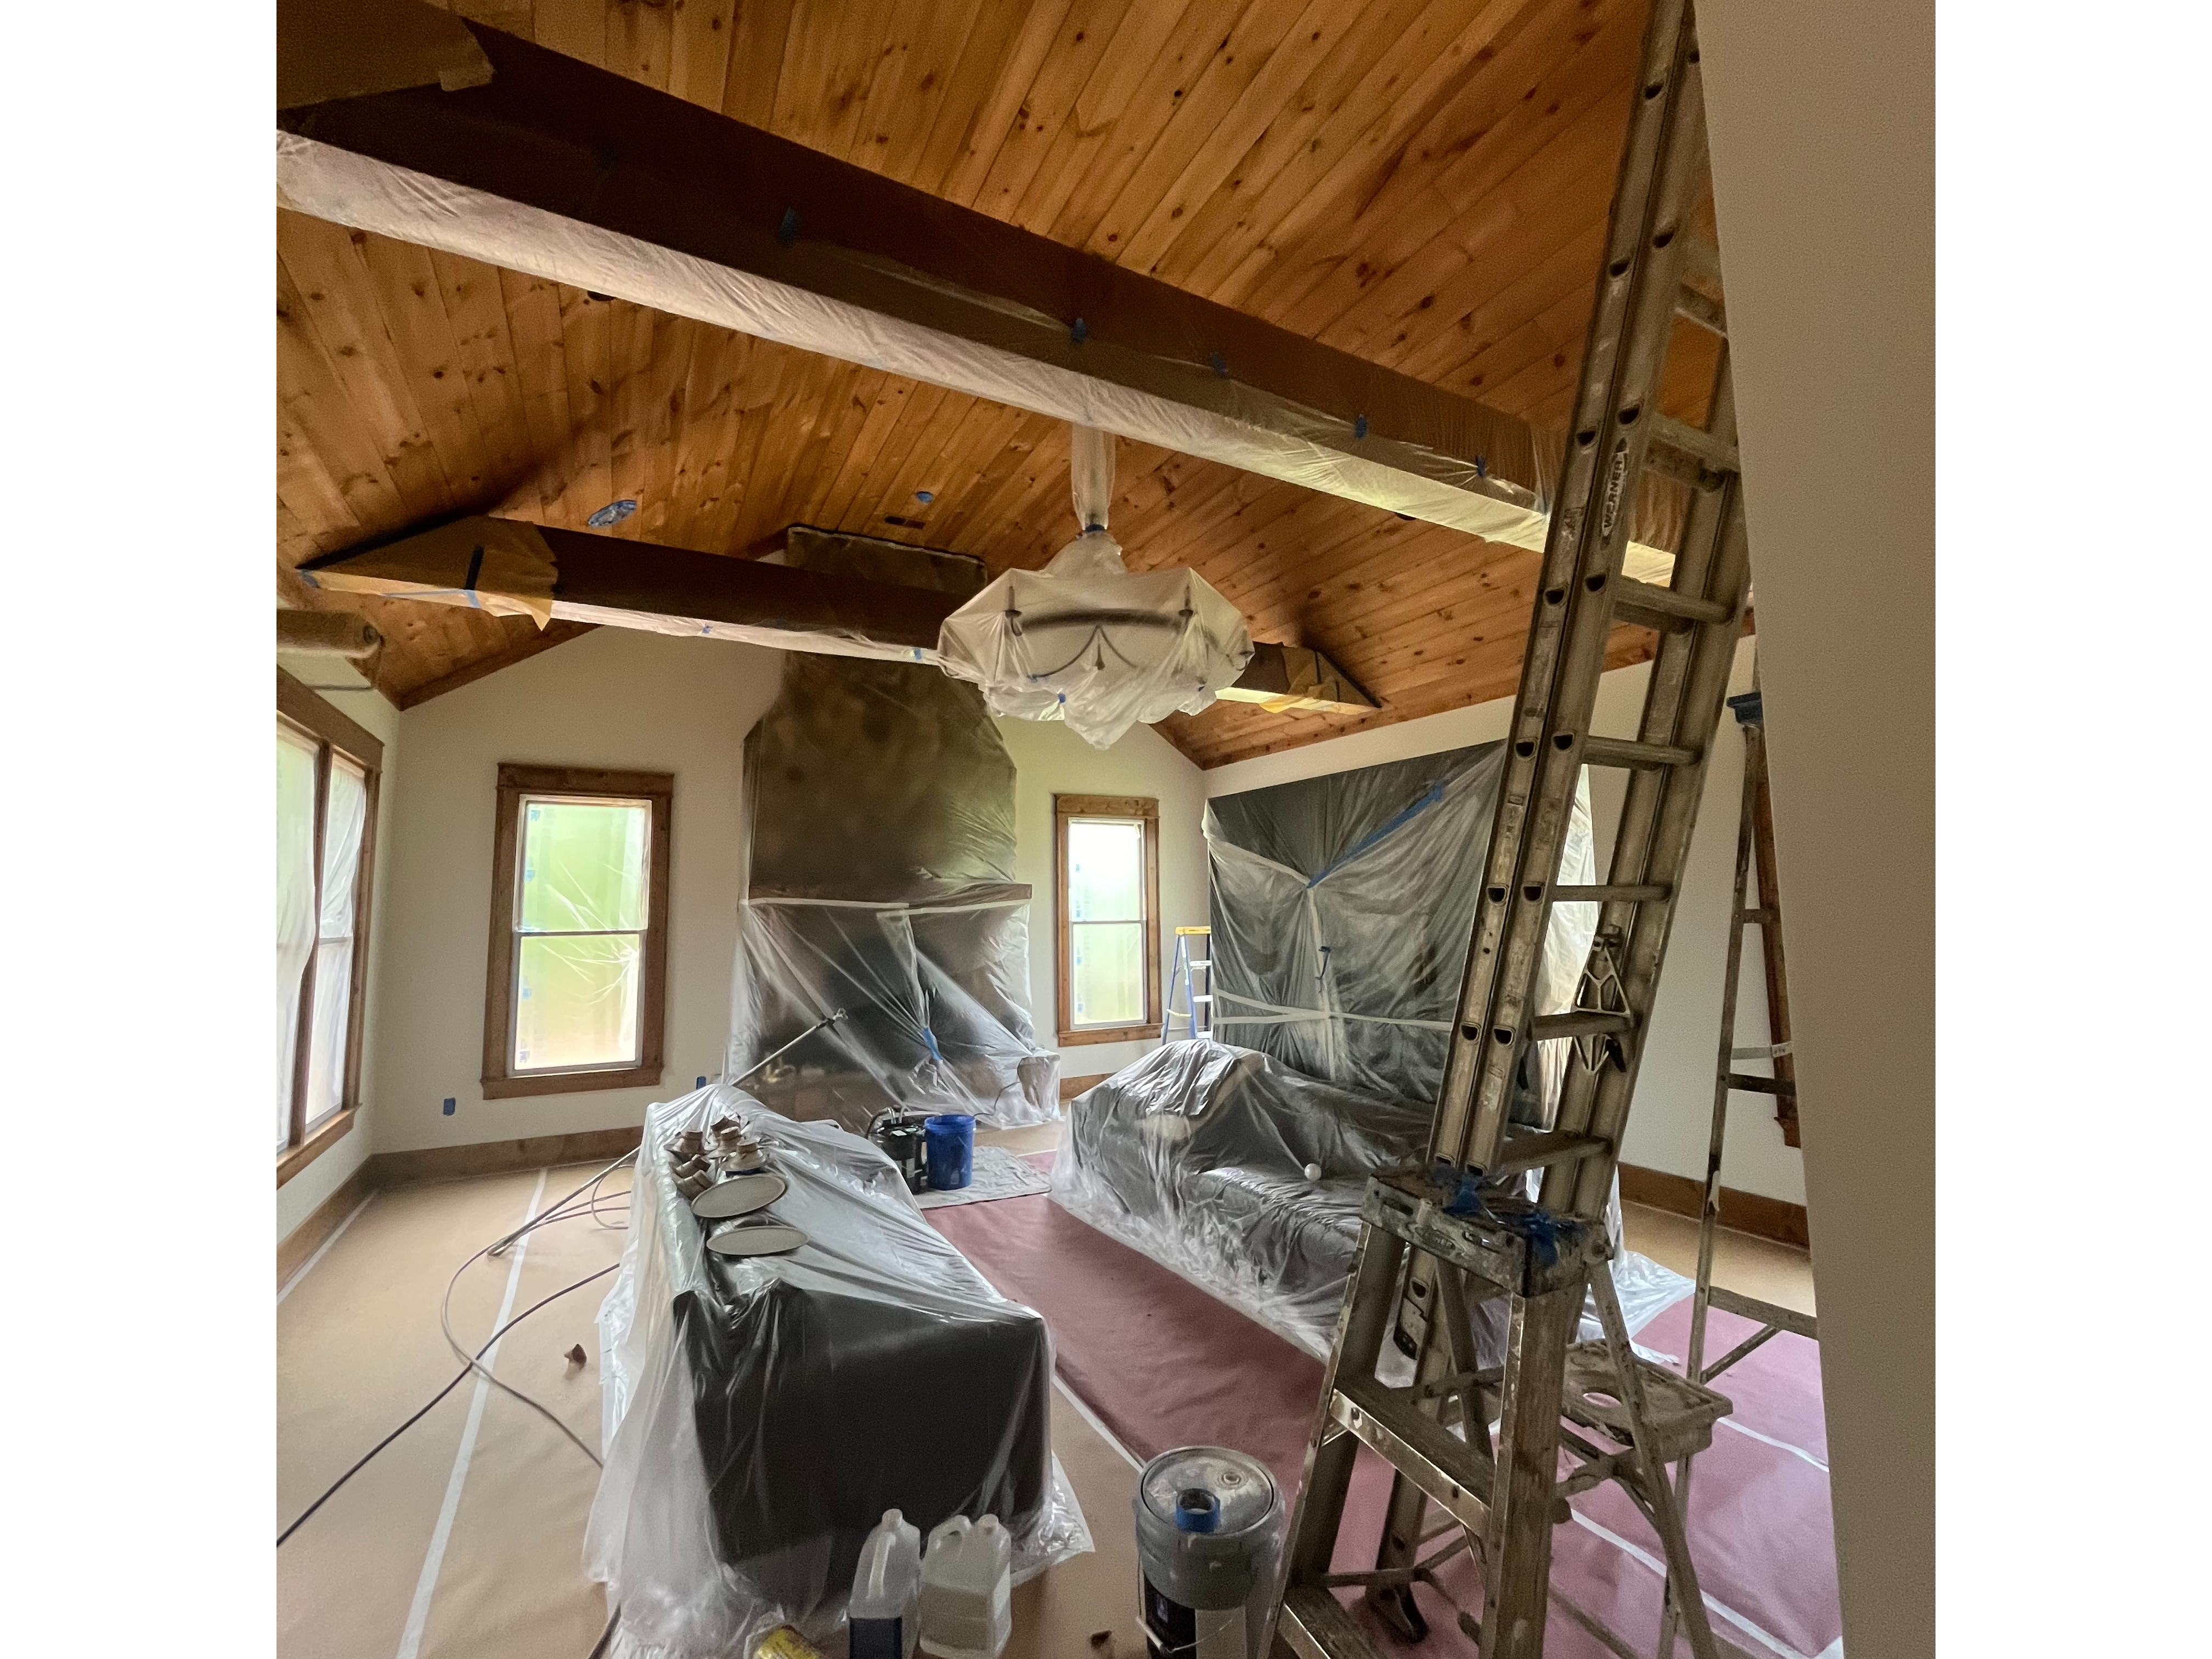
<point x="760" y="1415"/>
<point x="1264" y="434"/>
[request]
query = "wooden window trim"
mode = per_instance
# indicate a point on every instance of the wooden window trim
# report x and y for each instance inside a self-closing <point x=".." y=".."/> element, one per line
<point x="658" y="788"/>
<point x="334" y="732"/>
<point x="1065" y="807"/>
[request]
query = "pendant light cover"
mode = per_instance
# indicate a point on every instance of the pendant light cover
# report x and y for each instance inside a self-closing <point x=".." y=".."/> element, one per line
<point x="1083" y="640"/>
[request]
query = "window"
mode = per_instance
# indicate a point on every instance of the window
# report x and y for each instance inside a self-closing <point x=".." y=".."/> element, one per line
<point x="326" y="778"/>
<point x="573" y="992"/>
<point x="1108" y="851"/>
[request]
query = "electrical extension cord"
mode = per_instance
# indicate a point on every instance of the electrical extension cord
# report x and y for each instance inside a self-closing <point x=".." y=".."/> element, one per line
<point x="459" y="1377"/>
<point x="556" y="1213"/>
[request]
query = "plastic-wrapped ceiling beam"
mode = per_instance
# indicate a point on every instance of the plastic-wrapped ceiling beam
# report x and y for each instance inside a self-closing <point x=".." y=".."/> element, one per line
<point x="576" y="174"/>
<point x="511" y="568"/>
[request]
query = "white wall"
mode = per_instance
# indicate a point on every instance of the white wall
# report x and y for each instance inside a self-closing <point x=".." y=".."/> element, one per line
<point x="1050" y="760"/>
<point x="635" y="702"/>
<point x="299" y="1198"/>
<point x="1671" y="1123"/>
<point x="1823" y="131"/>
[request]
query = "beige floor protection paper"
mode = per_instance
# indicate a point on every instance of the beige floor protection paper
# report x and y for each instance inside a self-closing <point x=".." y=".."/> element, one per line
<point x="466" y="1536"/>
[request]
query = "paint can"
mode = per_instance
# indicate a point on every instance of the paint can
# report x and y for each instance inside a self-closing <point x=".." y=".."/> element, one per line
<point x="1207" y="1521"/>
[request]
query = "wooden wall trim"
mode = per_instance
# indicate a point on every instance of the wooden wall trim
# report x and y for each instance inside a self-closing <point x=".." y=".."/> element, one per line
<point x="1071" y="1086"/>
<point x="1754" y="1213"/>
<point x="500" y="1156"/>
<point x="325" y="1218"/>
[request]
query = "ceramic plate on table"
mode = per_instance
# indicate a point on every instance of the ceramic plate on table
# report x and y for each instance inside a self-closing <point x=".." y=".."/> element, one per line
<point x="756" y="1238"/>
<point x="739" y="1195"/>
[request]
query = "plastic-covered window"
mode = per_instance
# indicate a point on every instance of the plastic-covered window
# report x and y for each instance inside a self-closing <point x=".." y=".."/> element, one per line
<point x="1106" y="921"/>
<point x="345" y="815"/>
<point x="296" y="905"/>
<point x="580" y="917"/>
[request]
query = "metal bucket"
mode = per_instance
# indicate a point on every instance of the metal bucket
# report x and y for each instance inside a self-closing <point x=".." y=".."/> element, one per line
<point x="1208" y="1522"/>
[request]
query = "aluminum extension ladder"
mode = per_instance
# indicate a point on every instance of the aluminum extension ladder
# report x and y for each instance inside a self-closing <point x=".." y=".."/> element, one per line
<point x="1440" y="1241"/>
<point x="1197" y="1012"/>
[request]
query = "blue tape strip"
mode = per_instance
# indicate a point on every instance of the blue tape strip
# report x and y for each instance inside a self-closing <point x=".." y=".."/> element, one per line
<point x="1435" y="794"/>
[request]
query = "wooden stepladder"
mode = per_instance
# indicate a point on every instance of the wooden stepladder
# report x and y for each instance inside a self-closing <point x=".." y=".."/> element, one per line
<point x="1437" y="1244"/>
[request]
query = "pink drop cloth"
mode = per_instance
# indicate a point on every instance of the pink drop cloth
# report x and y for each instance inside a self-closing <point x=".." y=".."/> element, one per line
<point x="1162" y="1364"/>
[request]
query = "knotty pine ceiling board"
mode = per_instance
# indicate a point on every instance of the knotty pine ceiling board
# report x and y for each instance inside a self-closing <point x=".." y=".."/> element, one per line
<point x="1425" y="185"/>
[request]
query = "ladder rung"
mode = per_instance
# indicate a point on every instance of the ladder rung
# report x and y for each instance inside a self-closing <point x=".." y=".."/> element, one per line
<point x="1642" y="756"/>
<point x="1701" y="262"/>
<point x="1200" y="999"/>
<point x="1200" y="961"/>
<point x="1763" y="1051"/>
<point x="1664" y="605"/>
<point x="1762" y="914"/>
<point x="1766" y="1313"/>
<point x="1552" y="1146"/>
<point x="1580" y="1022"/>
<point x="1702" y="446"/>
<point x="1315" y="1627"/>
<point x="1747" y="1084"/>
<point x="1610" y="894"/>
<point x="1453" y="1473"/>
<point x="1702" y="310"/>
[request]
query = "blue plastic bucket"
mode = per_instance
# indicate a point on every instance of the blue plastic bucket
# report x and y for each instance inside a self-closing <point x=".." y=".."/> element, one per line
<point x="949" y="1150"/>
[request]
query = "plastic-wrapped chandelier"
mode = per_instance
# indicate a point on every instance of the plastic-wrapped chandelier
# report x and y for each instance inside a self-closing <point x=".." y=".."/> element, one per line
<point x="1084" y="640"/>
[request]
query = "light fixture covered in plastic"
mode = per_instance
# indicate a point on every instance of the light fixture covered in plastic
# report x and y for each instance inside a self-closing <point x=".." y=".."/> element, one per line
<point x="1086" y="641"/>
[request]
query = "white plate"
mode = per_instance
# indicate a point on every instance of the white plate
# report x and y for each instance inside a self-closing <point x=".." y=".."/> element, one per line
<point x="756" y="1238"/>
<point x="739" y="1195"/>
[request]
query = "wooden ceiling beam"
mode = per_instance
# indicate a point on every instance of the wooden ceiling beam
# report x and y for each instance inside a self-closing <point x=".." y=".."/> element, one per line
<point x="542" y="164"/>
<point x="584" y="580"/>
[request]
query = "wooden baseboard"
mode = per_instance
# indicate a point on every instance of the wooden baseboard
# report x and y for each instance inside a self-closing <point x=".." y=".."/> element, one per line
<point x="304" y="1240"/>
<point x="1071" y="1086"/>
<point x="1746" y="1213"/>
<point x="498" y="1157"/>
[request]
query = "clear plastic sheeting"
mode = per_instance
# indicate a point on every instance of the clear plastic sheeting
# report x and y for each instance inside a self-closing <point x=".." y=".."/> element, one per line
<point x="881" y="818"/>
<point x="1246" y="1177"/>
<point x="935" y="1016"/>
<point x="1342" y="908"/>
<point x="296" y="924"/>
<point x="761" y="1413"/>
<point x="1083" y="640"/>
<point x="1198" y="409"/>
<point x="1196" y="1155"/>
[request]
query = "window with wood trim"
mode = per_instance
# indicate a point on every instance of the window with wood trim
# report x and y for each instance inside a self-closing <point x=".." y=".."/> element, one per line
<point x="576" y="983"/>
<point x="327" y="769"/>
<point x="1108" y="912"/>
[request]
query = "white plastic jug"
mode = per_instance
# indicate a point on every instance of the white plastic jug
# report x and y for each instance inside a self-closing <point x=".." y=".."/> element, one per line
<point x="887" y="1591"/>
<point x="967" y="1592"/>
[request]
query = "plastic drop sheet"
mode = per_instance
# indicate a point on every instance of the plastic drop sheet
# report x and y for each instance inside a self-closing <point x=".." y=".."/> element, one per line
<point x="880" y="814"/>
<point x="761" y="1413"/>
<point x="1246" y="1176"/>
<point x="1084" y="640"/>
<point x="1342" y="908"/>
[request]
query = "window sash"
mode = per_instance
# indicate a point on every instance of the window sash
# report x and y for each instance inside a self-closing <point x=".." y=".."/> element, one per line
<point x="1067" y="898"/>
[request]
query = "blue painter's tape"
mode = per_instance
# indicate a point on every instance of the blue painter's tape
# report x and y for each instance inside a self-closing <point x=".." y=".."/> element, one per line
<point x="1435" y="794"/>
<point x="449" y="1106"/>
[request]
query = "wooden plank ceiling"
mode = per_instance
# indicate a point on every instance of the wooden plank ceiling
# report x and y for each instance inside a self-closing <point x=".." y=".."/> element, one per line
<point x="1421" y="182"/>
